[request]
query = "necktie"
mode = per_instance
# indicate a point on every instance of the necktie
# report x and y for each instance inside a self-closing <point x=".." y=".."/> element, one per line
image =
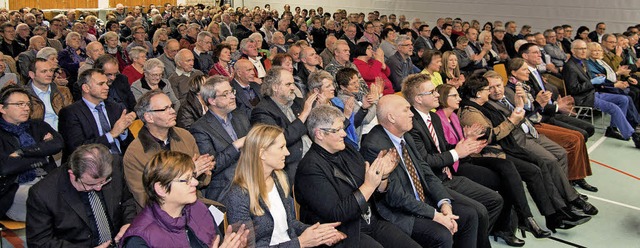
<point x="100" y="216"/>
<point x="106" y="127"/>
<point x="527" y="127"/>
<point x="412" y="171"/>
<point x="539" y="79"/>
<point x="432" y="131"/>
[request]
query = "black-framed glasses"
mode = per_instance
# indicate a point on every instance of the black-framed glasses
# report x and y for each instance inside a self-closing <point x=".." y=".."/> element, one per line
<point x="188" y="180"/>
<point x="92" y="186"/>
<point x="20" y="104"/>
<point x="227" y="93"/>
<point x="115" y="74"/>
<point x="163" y="109"/>
<point x="427" y="93"/>
<point x="331" y="130"/>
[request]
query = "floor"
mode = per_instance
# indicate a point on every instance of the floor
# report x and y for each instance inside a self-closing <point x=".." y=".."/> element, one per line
<point x="616" y="173"/>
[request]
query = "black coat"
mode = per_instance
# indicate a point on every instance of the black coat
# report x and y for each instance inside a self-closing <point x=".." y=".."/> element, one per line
<point x="241" y="102"/>
<point x="214" y="140"/>
<point x="190" y="111"/>
<point x="120" y="92"/>
<point x="78" y="127"/>
<point x="426" y="147"/>
<point x="38" y="155"/>
<point x="399" y="205"/>
<point x="578" y="83"/>
<point x="57" y="217"/>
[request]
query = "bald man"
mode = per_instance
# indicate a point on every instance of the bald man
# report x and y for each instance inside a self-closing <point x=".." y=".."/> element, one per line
<point x="184" y="72"/>
<point x="26" y="58"/>
<point x="416" y="201"/>
<point x="94" y="50"/>
<point x="310" y="62"/>
<point x="327" y="54"/>
<point x="248" y="93"/>
<point x="171" y="48"/>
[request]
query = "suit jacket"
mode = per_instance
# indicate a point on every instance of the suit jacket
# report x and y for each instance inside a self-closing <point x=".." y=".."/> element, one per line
<point x="426" y="146"/>
<point x="243" y="103"/>
<point x="25" y="59"/>
<point x="446" y="46"/>
<point x="169" y="65"/>
<point x="78" y="127"/>
<point x="578" y="83"/>
<point x="213" y="139"/>
<point x="268" y="112"/>
<point x="57" y="217"/>
<point x="549" y="110"/>
<point x="227" y="30"/>
<point x="399" y="204"/>
<point x="423" y="43"/>
<point x="593" y="36"/>
<point x="120" y="92"/>
<point x="352" y="46"/>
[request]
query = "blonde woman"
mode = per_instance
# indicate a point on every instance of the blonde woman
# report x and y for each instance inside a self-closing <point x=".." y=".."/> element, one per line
<point x="261" y="196"/>
<point x="450" y="70"/>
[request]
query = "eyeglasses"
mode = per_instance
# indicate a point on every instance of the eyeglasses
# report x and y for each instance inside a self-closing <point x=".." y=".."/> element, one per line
<point x="427" y="93"/>
<point x="331" y="130"/>
<point x="188" y="180"/>
<point x="154" y="75"/>
<point x="20" y="104"/>
<point x="96" y="185"/>
<point x="115" y="74"/>
<point x="162" y="109"/>
<point x="227" y="93"/>
<point x="407" y="44"/>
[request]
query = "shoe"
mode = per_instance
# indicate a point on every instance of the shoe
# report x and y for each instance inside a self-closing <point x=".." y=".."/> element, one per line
<point x="584" y="185"/>
<point x="636" y="139"/>
<point x="508" y="238"/>
<point x="614" y="133"/>
<point x="571" y="218"/>
<point x="585" y="206"/>
<point x="584" y="197"/>
<point x="555" y="221"/>
<point x="530" y="225"/>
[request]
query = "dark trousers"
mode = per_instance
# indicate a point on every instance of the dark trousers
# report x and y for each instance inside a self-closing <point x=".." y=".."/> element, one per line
<point x="432" y="234"/>
<point x="385" y="234"/>
<point x="485" y="202"/>
<point x="585" y="128"/>
<point x="540" y="187"/>
<point x="500" y="175"/>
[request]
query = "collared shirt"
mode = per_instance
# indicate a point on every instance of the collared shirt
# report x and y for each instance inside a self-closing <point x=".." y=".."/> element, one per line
<point x="286" y="109"/>
<point x="396" y="143"/>
<point x="427" y="118"/>
<point x="181" y="72"/>
<point x="50" y="116"/>
<point x="258" y="65"/>
<point x="94" y="112"/>
<point x="227" y="125"/>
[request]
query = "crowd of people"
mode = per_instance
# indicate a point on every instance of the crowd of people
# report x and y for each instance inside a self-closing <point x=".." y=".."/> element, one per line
<point x="386" y="132"/>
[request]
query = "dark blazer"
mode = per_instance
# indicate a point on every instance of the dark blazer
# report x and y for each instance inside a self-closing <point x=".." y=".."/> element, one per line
<point x="593" y="36"/>
<point x="549" y="109"/>
<point x="78" y="127"/>
<point x="38" y="155"/>
<point x="190" y="111"/>
<point x="578" y="83"/>
<point x="241" y="102"/>
<point x="120" y="92"/>
<point x="446" y="46"/>
<point x="423" y="43"/>
<point x="213" y="139"/>
<point x="24" y="60"/>
<point x="399" y="204"/>
<point x="268" y="112"/>
<point x="426" y="146"/>
<point x="262" y="226"/>
<point x="352" y="47"/>
<point x="56" y="214"/>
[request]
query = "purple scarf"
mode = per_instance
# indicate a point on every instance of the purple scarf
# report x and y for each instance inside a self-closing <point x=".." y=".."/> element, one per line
<point x="452" y="130"/>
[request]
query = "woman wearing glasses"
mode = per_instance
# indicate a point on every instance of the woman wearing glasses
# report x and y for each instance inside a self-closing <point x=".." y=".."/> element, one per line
<point x="173" y="216"/>
<point x="261" y="195"/>
<point x="153" y="79"/>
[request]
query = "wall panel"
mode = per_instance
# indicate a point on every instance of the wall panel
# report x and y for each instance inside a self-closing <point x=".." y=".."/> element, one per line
<point x="540" y="14"/>
<point x="53" y="4"/>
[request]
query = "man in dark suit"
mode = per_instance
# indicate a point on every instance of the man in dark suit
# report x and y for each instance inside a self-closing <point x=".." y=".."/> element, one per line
<point x="280" y="107"/>
<point x="94" y="119"/>
<point x="227" y="28"/>
<point x="424" y="40"/>
<point x="350" y="36"/>
<point x="448" y="37"/>
<point x="84" y="203"/>
<point x="434" y="150"/>
<point x="596" y="35"/>
<point x="119" y="88"/>
<point x="248" y="92"/>
<point x="220" y="132"/>
<point x="416" y="200"/>
<point x="510" y="38"/>
<point x="553" y="108"/>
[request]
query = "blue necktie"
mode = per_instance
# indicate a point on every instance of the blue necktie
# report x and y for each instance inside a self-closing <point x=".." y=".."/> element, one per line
<point x="106" y="127"/>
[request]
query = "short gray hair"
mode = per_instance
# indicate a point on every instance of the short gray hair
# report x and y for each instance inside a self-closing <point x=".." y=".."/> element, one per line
<point x="144" y="103"/>
<point x="208" y="90"/>
<point x="245" y="42"/>
<point x="94" y="159"/>
<point x="46" y="52"/>
<point x="273" y="77"/>
<point x="401" y="38"/>
<point x="316" y="78"/>
<point x="136" y="51"/>
<point x="71" y="35"/>
<point x="203" y="34"/>
<point x="320" y="117"/>
<point x="151" y="64"/>
<point x="231" y="38"/>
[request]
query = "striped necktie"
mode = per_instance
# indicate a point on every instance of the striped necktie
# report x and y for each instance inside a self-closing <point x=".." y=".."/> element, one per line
<point x="100" y="215"/>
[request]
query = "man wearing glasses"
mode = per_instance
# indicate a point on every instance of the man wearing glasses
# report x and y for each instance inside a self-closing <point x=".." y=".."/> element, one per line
<point x="400" y="62"/>
<point x="160" y="133"/>
<point x="84" y="203"/>
<point x="596" y="35"/>
<point x="94" y="119"/>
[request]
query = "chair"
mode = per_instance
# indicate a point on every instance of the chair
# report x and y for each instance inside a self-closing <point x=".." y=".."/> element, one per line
<point x="135" y="127"/>
<point x="6" y="228"/>
<point x="501" y="69"/>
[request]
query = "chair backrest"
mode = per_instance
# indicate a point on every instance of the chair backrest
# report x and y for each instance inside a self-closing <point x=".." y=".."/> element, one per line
<point x="135" y="127"/>
<point x="557" y="82"/>
<point x="502" y="70"/>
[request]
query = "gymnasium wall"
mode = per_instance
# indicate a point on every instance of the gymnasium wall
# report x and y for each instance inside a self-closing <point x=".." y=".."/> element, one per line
<point x="540" y="14"/>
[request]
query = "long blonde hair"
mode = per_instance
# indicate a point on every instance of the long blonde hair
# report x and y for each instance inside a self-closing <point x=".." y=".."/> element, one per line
<point x="250" y="173"/>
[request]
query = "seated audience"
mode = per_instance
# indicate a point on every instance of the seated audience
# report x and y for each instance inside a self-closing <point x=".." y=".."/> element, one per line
<point x="184" y="72"/>
<point x="432" y="62"/>
<point x="372" y="67"/>
<point x="223" y="67"/>
<point x="152" y="79"/>
<point x="119" y="88"/>
<point x="450" y="70"/>
<point x="400" y="63"/>
<point x="47" y="98"/>
<point x="134" y="71"/>
<point x="193" y="106"/>
<point x="70" y="59"/>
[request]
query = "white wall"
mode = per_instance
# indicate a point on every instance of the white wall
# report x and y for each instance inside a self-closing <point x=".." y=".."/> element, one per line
<point x="540" y="14"/>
